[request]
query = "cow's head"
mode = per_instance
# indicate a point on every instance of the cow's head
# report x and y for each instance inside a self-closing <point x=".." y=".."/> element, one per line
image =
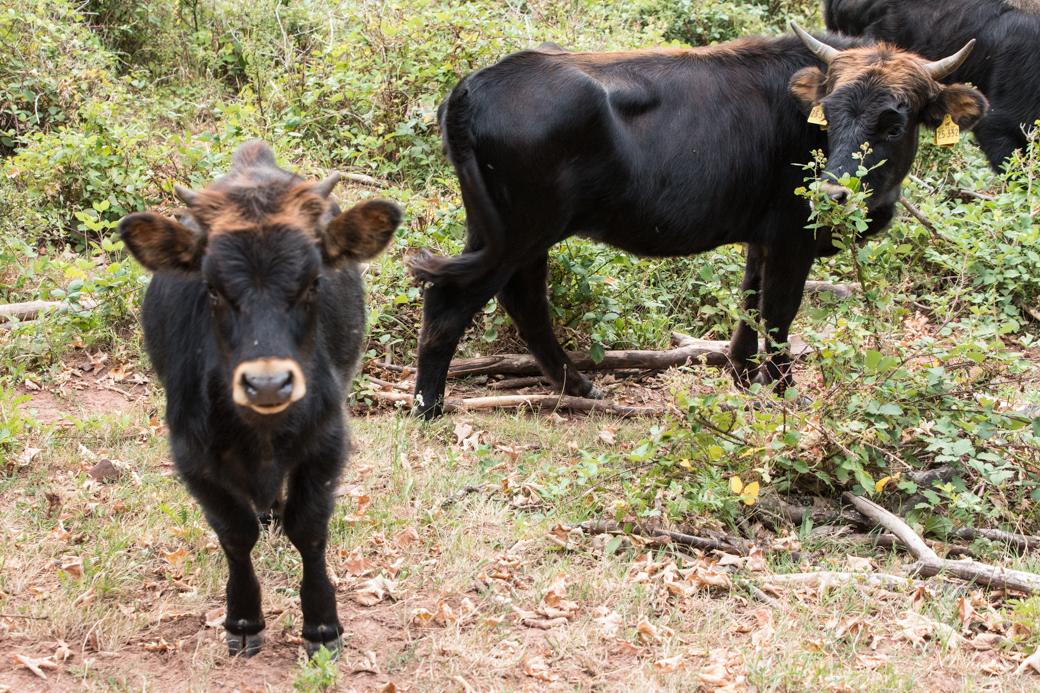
<point x="262" y="240"/>
<point x="880" y="95"/>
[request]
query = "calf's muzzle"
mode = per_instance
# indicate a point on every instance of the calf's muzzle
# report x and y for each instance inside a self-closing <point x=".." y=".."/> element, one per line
<point x="268" y="386"/>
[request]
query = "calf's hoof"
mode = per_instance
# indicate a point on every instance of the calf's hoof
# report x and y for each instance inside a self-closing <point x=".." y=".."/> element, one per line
<point x="245" y="645"/>
<point x="335" y="646"/>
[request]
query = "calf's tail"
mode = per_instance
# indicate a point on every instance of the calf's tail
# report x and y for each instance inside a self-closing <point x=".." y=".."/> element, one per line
<point x="486" y="232"/>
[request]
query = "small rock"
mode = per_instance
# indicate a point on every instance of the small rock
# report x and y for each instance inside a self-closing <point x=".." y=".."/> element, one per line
<point x="104" y="470"/>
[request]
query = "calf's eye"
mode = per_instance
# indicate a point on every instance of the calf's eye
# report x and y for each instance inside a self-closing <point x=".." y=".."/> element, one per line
<point x="315" y="286"/>
<point x="214" y="298"/>
<point x="895" y="132"/>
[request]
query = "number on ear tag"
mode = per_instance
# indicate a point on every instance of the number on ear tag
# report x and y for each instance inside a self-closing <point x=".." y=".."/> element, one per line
<point x="947" y="134"/>
<point x="816" y="116"/>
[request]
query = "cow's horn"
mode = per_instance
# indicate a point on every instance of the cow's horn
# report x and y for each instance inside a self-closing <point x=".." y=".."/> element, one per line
<point x="946" y="66"/>
<point x="821" y="49"/>
<point x="186" y="196"/>
<point x="325" y="187"/>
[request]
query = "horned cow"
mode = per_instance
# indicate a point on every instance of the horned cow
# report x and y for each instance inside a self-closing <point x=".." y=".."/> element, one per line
<point x="1005" y="64"/>
<point x="663" y="153"/>
<point x="254" y="322"/>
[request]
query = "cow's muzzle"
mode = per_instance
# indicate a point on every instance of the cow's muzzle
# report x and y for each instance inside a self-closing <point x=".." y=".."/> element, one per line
<point x="268" y="386"/>
<point x="836" y="193"/>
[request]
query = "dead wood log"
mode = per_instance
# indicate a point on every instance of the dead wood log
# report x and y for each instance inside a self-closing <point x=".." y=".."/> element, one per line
<point x="839" y="290"/>
<point x="532" y="401"/>
<point x="517" y="383"/>
<point x="1022" y="542"/>
<point x="363" y="179"/>
<point x="775" y="511"/>
<point x="706" y="352"/>
<point x="929" y="564"/>
<point x="733" y="545"/>
<point x="550" y="401"/>
<point x="25" y="311"/>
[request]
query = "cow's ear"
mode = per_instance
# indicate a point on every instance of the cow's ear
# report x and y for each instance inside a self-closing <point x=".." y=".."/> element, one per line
<point x="361" y="232"/>
<point x="161" y="244"/>
<point x="808" y="86"/>
<point x="964" y="104"/>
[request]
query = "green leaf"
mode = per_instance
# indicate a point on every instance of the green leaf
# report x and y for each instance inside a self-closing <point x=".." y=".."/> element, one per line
<point x="612" y="546"/>
<point x="873" y="358"/>
<point x="800" y="466"/>
<point x="597" y="353"/>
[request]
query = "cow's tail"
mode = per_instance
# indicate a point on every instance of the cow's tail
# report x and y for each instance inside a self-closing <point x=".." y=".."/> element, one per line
<point x="484" y="225"/>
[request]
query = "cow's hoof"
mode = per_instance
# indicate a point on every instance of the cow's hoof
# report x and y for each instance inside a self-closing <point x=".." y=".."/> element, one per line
<point x="596" y="393"/>
<point x="334" y="646"/>
<point x="245" y="645"/>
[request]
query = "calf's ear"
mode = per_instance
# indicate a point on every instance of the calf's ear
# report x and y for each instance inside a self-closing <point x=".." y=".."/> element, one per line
<point x="161" y="244"/>
<point x="361" y="232"/>
<point x="808" y="87"/>
<point x="964" y="104"/>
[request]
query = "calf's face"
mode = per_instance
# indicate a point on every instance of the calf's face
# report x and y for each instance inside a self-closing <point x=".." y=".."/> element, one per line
<point x="879" y="96"/>
<point x="263" y="252"/>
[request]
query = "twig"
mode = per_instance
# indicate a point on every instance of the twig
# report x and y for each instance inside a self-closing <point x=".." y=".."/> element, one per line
<point x="386" y="383"/>
<point x="916" y="213"/>
<point x="977" y="195"/>
<point x="459" y="495"/>
<point x="1022" y="542"/>
<point x="362" y="178"/>
<point x="920" y="182"/>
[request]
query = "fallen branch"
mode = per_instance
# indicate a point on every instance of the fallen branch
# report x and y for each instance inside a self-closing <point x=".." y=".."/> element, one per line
<point x="363" y="179"/>
<point x="976" y="195"/>
<point x="826" y="578"/>
<point x="517" y="383"/>
<point x="25" y="311"/>
<point x="839" y="290"/>
<point x="1023" y="542"/>
<point x="551" y="401"/>
<point x="929" y="564"/>
<point x="916" y="214"/>
<point x="732" y="545"/>
<point x="386" y="383"/>
<point x="775" y="511"/>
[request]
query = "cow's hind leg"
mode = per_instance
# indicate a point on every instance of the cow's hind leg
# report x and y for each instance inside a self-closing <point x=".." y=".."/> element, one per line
<point x="237" y="528"/>
<point x="783" y="283"/>
<point x="523" y="297"/>
<point x="447" y="311"/>
<point x="743" y="346"/>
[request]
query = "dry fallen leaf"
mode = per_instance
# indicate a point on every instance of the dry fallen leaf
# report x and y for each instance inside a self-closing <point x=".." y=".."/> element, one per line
<point x="766" y="629"/>
<point x="356" y="564"/>
<point x="870" y="661"/>
<point x="609" y="624"/>
<point x="857" y="564"/>
<point x="669" y="665"/>
<point x="406" y="537"/>
<point x="607" y="434"/>
<point x="373" y="591"/>
<point x="1032" y="661"/>
<point x="73" y="566"/>
<point x="35" y="665"/>
<point x="216" y="617"/>
<point x="714" y="675"/>
<point x="162" y="645"/>
<point x="177" y="558"/>
<point x="536" y="668"/>
<point x="86" y="599"/>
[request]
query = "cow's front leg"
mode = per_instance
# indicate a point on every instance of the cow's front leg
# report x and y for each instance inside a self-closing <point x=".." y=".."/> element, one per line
<point x="743" y="346"/>
<point x="237" y="528"/>
<point x="306" y="522"/>
<point x="783" y="283"/>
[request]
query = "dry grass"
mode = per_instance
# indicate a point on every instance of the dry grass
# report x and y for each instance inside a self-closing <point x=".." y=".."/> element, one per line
<point x="478" y="557"/>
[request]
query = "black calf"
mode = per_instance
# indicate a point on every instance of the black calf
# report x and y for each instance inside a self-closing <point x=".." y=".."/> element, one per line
<point x="255" y="322"/>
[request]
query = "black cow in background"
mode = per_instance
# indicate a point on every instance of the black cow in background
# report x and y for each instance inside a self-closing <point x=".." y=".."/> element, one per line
<point x="1005" y="64"/>
<point x="663" y="153"/>
<point x="255" y="323"/>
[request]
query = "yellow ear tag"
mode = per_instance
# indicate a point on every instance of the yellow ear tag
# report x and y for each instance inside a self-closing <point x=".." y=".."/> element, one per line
<point x="816" y="116"/>
<point x="947" y="134"/>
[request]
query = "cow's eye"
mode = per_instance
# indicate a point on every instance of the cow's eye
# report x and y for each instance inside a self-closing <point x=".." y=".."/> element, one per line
<point x="315" y="286"/>
<point x="214" y="297"/>
<point x="895" y="132"/>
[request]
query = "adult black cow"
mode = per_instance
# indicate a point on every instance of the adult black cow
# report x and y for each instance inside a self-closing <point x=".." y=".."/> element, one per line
<point x="663" y="153"/>
<point x="254" y="322"/>
<point x="1005" y="64"/>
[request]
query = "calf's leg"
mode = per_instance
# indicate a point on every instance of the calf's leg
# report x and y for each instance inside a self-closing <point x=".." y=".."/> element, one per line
<point x="237" y="528"/>
<point x="523" y="297"/>
<point x="306" y="523"/>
